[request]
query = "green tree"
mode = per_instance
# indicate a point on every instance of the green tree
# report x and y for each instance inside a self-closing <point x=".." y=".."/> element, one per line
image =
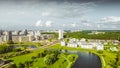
<point x="12" y="66"/>
<point x="71" y="58"/>
<point x="10" y="42"/>
<point x="48" y="60"/>
<point x="21" y="65"/>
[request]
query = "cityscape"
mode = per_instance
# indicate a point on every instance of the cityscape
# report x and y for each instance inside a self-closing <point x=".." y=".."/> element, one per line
<point x="59" y="34"/>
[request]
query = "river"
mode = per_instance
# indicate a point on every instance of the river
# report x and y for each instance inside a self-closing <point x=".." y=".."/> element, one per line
<point x="86" y="60"/>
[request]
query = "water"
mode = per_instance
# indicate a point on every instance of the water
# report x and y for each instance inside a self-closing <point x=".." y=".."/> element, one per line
<point x="86" y="60"/>
<point x="26" y="46"/>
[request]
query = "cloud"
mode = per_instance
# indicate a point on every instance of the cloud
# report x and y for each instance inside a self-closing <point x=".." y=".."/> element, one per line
<point x="63" y="25"/>
<point x="64" y="10"/>
<point x="113" y="27"/>
<point x="38" y="23"/>
<point x="87" y="24"/>
<point x="98" y="26"/>
<point x="48" y="23"/>
<point x="73" y="24"/>
<point x="45" y="14"/>
<point x="110" y="19"/>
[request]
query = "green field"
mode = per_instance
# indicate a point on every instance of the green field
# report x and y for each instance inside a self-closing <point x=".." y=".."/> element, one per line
<point x="62" y="62"/>
<point x="26" y="57"/>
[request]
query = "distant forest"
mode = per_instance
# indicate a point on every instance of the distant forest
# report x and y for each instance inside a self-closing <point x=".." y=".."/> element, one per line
<point x="108" y="35"/>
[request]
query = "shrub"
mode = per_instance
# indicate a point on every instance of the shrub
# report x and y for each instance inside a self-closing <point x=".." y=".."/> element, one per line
<point x="21" y="65"/>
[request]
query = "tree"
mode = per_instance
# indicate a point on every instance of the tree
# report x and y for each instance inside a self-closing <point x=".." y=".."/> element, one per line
<point x="48" y="60"/>
<point x="50" y="40"/>
<point x="67" y="40"/>
<point x="33" y="57"/>
<point x="71" y="58"/>
<point x="10" y="42"/>
<point x="108" y="66"/>
<point x="20" y="65"/>
<point x="12" y="66"/>
<point x="28" y="63"/>
<point x="40" y="55"/>
<point x="5" y="49"/>
<point x="39" y="44"/>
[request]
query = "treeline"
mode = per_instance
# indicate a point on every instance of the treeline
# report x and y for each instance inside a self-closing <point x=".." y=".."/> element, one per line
<point x="9" y="48"/>
<point x="5" y="49"/>
<point x="105" y="36"/>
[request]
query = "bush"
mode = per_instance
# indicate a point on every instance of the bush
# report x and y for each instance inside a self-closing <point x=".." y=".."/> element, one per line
<point x="50" y="59"/>
<point x="10" y="42"/>
<point x="28" y="63"/>
<point x="100" y="52"/>
<point x="20" y="65"/>
<point x="5" y="49"/>
<point x="43" y="54"/>
<point x="17" y="50"/>
<point x="71" y="58"/>
<point x="12" y="66"/>
<point x="33" y="57"/>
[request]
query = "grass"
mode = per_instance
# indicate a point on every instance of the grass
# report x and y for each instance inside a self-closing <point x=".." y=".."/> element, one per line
<point x="62" y="62"/>
<point x="39" y="62"/>
<point x="26" y="57"/>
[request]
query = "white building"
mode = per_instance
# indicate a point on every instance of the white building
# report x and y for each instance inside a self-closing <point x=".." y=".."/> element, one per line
<point x="63" y="43"/>
<point x="7" y="36"/>
<point x="99" y="47"/>
<point x="38" y="33"/>
<point x="85" y="44"/>
<point x="60" y="34"/>
<point x="72" y="45"/>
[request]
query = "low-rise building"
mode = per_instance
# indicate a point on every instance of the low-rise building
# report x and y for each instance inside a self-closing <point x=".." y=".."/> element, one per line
<point x="84" y="44"/>
<point x="72" y="45"/>
<point x="63" y="43"/>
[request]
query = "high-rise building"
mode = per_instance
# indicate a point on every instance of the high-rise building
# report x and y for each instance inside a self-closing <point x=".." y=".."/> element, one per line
<point x="60" y="32"/>
<point x="8" y="36"/>
<point x="0" y="32"/>
<point x="25" y="32"/>
<point x="38" y="33"/>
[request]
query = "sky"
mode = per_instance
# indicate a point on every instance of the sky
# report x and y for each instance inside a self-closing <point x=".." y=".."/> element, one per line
<point x="60" y="14"/>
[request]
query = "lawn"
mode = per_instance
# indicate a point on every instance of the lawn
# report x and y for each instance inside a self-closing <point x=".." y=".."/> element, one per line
<point x="62" y="62"/>
<point x="26" y="57"/>
<point x="39" y="62"/>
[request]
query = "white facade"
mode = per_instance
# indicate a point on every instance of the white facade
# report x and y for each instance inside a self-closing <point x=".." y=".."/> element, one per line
<point x="38" y="33"/>
<point x="99" y="47"/>
<point x="72" y="45"/>
<point x="63" y="43"/>
<point x="83" y="40"/>
<point x="60" y="34"/>
<point x="87" y="46"/>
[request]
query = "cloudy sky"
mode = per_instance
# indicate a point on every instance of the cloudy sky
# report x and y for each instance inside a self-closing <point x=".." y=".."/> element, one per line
<point x="60" y="14"/>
